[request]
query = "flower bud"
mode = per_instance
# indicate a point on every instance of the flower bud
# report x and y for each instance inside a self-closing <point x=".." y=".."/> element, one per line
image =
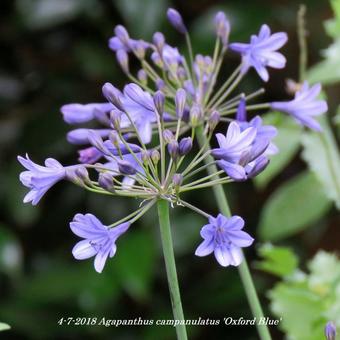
<point x="125" y="167"/>
<point x="112" y="94"/>
<point x="160" y="85"/>
<point x="115" y="117"/>
<point x="122" y="34"/>
<point x="195" y="114"/>
<point x="241" y="114"/>
<point x="176" y="20"/>
<point x="185" y="145"/>
<point x="159" y="100"/>
<point x="89" y="155"/>
<point x="180" y="100"/>
<point x="142" y="77"/>
<point x="157" y="60"/>
<point x="105" y="180"/>
<point x="222" y="27"/>
<point x="139" y="49"/>
<point x="168" y="135"/>
<point x="177" y="180"/>
<point x="173" y="149"/>
<point x="330" y="330"/>
<point x="82" y="173"/>
<point x="123" y="60"/>
<point x="145" y="156"/>
<point x="159" y="41"/>
<point x="155" y="156"/>
<point x="214" y="119"/>
<point x="181" y="73"/>
<point x="96" y="140"/>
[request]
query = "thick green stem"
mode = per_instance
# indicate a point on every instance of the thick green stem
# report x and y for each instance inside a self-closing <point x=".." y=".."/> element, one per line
<point x="243" y="269"/>
<point x="169" y="258"/>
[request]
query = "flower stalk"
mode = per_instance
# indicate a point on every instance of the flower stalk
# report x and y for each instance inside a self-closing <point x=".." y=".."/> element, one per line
<point x="169" y="258"/>
<point x="243" y="269"/>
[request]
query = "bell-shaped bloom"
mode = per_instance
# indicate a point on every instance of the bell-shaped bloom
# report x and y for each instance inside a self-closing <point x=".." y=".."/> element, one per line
<point x="264" y="132"/>
<point x="261" y="52"/>
<point x="330" y="331"/>
<point x="241" y="154"/>
<point x="224" y="237"/>
<point x="305" y="106"/>
<point x="41" y="178"/>
<point x="99" y="240"/>
<point x="140" y="107"/>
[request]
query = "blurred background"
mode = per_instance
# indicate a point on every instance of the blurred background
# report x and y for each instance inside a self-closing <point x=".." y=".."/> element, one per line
<point x="55" y="52"/>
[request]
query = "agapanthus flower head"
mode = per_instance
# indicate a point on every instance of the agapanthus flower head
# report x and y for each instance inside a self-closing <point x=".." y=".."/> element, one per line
<point x="261" y="52"/>
<point x="99" y="240"/>
<point x="305" y="106"/>
<point x="224" y="237"/>
<point x="39" y="178"/>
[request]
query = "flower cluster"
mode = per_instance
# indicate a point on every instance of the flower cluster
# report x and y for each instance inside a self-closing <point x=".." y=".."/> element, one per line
<point x="142" y="140"/>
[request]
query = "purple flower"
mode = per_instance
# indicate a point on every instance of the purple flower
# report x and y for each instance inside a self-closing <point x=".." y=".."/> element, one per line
<point x="140" y="106"/>
<point x="222" y="27"/>
<point x="261" y="52"/>
<point x="264" y="132"/>
<point x="330" y="331"/>
<point x="224" y="237"/>
<point x="241" y="154"/>
<point x="99" y="240"/>
<point x="41" y="178"/>
<point x="170" y="56"/>
<point x="304" y="106"/>
<point x="82" y="113"/>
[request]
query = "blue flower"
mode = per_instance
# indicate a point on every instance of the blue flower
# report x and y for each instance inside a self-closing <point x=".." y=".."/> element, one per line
<point x="39" y="178"/>
<point x="99" y="240"/>
<point x="140" y="106"/>
<point x="330" y="331"/>
<point x="261" y="52"/>
<point x="304" y="107"/>
<point x="223" y="236"/>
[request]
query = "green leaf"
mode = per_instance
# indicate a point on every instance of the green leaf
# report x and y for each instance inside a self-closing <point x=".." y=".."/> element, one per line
<point x="327" y="71"/>
<point x="4" y="326"/>
<point x="280" y="261"/>
<point x="288" y="142"/>
<point x="296" y="205"/>
<point x="150" y="12"/>
<point x="135" y="263"/>
<point x="300" y="310"/>
<point x="322" y="156"/>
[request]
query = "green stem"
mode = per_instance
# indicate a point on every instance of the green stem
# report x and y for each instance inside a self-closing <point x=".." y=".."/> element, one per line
<point x="243" y="269"/>
<point x="169" y="258"/>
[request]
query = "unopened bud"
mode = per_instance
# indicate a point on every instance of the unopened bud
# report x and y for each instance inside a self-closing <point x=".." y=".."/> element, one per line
<point x="155" y="156"/>
<point x="159" y="100"/>
<point x="112" y="94"/>
<point x="160" y="85"/>
<point x="195" y="114"/>
<point x="123" y="60"/>
<point x="180" y="100"/>
<point x="330" y="331"/>
<point x="177" y="179"/>
<point x="122" y="34"/>
<point x="214" y="119"/>
<point x="168" y="135"/>
<point x="222" y="27"/>
<point x="105" y="180"/>
<point x="125" y="167"/>
<point x="145" y="156"/>
<point x="139" y="49"/>
<point x="173" y="149"/>
<point x="176" y="20"/>
<point x="114" y="138"/>
<point x="185" y="145"/>
<point x="241" y="114"/>
<point x="142" y="77"/>
<point x="159" y="41"/>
